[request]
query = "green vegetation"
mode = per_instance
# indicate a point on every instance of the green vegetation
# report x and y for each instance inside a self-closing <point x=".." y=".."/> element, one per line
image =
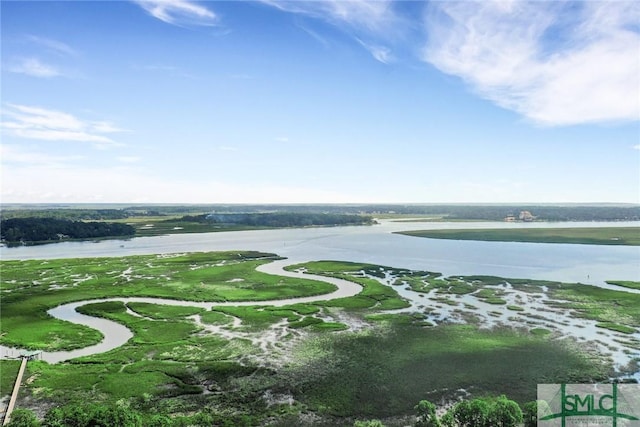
<point x="588" y="236"/>
<point x="616" y="327"/>
<point x="490" y="296"/>
<point x="8" y="373"/>
<point x="175" y="372"/>
<point x="159" y="312"/>
<point x="625" y="283"/>
<point x="57" y="224"/>
<point x="602" y="305"/>
<point x="480" y="412"/>
<point x="30" y="288"/>
<point x="378" y="373"/>
<point x="244" y="221"/>
<point x="447" y="212"/>
<point x="153" y="220"/>
<point x="540" y="331"/>
<point x="46" y="230"/>
<point x="374" y="294"/>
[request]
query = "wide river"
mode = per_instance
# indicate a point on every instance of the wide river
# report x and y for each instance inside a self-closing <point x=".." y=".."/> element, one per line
<point x="376" y="244"/>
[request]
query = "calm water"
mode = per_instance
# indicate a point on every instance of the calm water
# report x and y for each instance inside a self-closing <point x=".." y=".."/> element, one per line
<point x="376" y="244"/>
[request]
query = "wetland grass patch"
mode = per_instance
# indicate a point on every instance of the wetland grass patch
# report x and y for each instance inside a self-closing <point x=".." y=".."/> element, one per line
<point x="36" y="286"/>
<point x="8" y="373"/>
<point x="380" y="373"/>
<point x="588" y="236"/>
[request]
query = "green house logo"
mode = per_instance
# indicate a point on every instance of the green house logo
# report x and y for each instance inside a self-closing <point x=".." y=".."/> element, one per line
<point x="585" y="405"/>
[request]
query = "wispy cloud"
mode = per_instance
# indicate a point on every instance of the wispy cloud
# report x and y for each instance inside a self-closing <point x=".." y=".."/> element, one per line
<point x="361" y="19"/>
<point x="380" y="53"/>
<point x="50" y="125"/>
<point x="179" y="12"/>
<point x="314" y="35"/>
<point x="34" y="67"/>
<point x="532" y="58"/>
<point x="636" y="147"/>
<point x="53" y="45"/>
<point x="372" y="15"/>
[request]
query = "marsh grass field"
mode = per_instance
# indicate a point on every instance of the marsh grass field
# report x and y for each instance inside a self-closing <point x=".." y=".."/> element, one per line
<point x="587" y="236"/>
<point x="375" y="354"/>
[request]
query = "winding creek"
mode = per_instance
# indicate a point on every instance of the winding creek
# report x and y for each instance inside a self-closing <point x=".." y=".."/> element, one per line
<point x="116" y="334"/>
<point x="576" y="263"/>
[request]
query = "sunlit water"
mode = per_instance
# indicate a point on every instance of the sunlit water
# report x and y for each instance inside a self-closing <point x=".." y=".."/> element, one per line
<point x="376" y="244"/>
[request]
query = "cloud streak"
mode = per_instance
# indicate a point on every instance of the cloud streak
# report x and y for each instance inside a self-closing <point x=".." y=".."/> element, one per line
<point x="53" y="45"/>
<point x="179" y="12"/>
<point x="49" y="125"/>
<point x="530" y="58"/>
<point x="380" y="53"/>
<point x="35" y="68"/>
<point x="371" y="15"/>
<point x="368" y="18"/>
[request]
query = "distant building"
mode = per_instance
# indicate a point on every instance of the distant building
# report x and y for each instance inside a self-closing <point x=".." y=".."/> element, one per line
<point x="526" y="216"/>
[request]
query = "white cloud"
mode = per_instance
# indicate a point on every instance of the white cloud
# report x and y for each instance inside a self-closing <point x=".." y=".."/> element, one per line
<point x="371" y="15"/>
<point x="556" y="63"/>
<point x="34" y="67"/>
<point x="369" y="18"/>
<point x="53" y="45"/>
<point x="636" y="147"/>
<point x="50" y="125"/>
<point x="380" y="53"/>
<point x="179" y="12"/>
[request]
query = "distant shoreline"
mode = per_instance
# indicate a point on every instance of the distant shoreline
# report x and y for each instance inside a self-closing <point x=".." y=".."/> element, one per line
<point x="628" y="236"/>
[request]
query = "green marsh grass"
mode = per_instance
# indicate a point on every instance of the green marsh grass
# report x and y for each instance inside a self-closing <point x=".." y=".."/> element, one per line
<point x="8" y="373"/>
<point x="37" y="286"/>
<point x="378" y="372"/>
<point x="625" y="283"/>
<point x="588" y="236"/>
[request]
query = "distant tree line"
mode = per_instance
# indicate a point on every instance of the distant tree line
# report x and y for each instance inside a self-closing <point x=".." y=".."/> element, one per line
<point x="278" y="219"/>
<point x="459" y="212"/>
<point x="51" y="229"/>
<point x="68" y="214"/>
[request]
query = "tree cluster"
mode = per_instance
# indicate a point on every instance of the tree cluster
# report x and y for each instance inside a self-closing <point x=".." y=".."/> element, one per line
<point x="483" y="412"/>
<point x="118" y="415"/>
<point x="31" y="229"/>
<point x="278" y="219"/>
<point x="69" y="214"/>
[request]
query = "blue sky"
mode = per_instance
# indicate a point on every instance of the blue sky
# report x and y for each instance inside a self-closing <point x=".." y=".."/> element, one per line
<point x="282" y="101"/>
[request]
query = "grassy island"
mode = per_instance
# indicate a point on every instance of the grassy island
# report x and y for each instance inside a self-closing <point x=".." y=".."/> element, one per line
<point x="586" y="236"/>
